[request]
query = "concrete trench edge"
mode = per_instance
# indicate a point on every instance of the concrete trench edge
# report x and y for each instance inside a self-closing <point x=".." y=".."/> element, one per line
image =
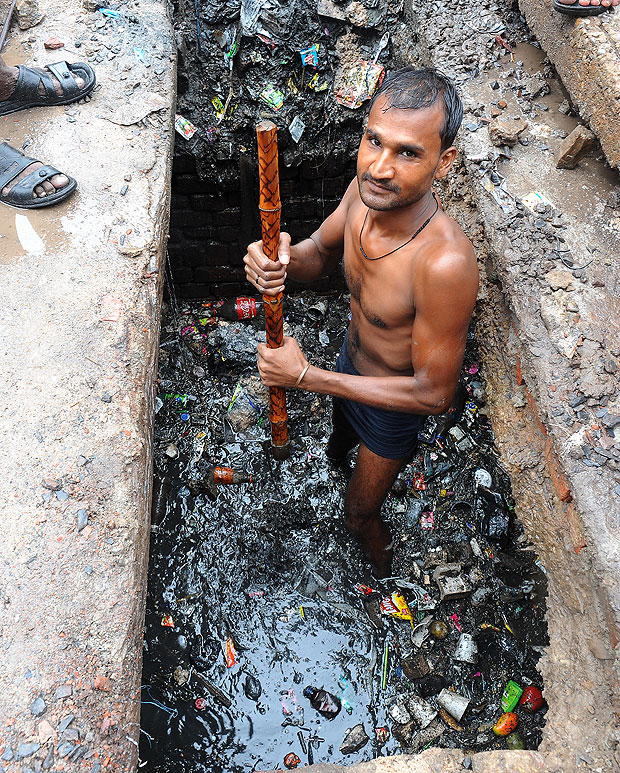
<point x="111" y="712"/>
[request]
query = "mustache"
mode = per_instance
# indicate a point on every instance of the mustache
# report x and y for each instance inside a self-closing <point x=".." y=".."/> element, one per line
<point x="387" y="185"/>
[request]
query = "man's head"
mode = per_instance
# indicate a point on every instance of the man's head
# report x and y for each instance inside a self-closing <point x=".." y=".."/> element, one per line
<point x="411" y="89"/>
<point x="407" y="144"/>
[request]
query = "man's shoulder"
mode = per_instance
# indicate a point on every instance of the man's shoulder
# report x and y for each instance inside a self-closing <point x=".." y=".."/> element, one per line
<point x="447" y="262"/>
<point x="352" y="194"/>
<point x="448" y="250"/>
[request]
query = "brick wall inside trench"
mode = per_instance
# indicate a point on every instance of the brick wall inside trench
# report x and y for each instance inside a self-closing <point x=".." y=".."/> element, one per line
<point x="212" y="221"/>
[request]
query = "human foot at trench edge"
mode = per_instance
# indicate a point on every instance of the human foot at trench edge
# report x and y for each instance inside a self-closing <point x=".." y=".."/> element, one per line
<point x="24" y="87"/>
<point x="584" y="7"/>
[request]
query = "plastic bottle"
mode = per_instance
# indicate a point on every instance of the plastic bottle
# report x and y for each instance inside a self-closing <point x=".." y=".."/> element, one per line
<point x="219" y="475"/>
<point x="234" y="309"/>
<point x="214" y="475"/>
<point x="161" y="488"/>
<point x="228" y="475"/>
<point x="324" y="702"/>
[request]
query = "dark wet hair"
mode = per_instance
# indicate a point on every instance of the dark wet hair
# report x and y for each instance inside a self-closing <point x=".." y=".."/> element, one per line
<point x="411" y="89"/>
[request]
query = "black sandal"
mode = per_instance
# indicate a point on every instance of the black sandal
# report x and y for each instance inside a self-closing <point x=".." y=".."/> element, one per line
<point x="12" y="164"/>
<point x="27" y="94"/>
<point x="580" y="10"/>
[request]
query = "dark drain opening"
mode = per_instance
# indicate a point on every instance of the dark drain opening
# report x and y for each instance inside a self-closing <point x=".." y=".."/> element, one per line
<point x="214" y="219"/>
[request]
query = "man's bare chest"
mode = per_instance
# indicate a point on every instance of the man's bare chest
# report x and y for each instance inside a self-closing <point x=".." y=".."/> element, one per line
<point x="381" y="293"/>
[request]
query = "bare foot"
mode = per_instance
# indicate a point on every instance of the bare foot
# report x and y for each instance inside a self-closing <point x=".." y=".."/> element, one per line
<point x="376" y="541"/>
<point x="55" y="183"/>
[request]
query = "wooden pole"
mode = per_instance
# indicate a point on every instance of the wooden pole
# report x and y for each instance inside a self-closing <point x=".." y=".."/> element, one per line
<point x="269" y="205"/>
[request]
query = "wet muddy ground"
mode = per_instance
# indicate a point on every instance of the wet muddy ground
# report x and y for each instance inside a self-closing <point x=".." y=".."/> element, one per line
<point x="254" y="590"/>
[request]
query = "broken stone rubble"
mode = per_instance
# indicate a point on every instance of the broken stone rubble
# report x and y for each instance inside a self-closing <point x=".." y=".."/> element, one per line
<point x="574" y="147"/>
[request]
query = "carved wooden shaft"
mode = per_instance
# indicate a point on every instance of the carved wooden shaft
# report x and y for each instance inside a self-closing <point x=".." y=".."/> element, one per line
<point x="269" y="204"/>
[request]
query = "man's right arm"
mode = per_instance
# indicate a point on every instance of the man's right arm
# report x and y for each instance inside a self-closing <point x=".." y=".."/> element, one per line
<point x="310" y="259"/>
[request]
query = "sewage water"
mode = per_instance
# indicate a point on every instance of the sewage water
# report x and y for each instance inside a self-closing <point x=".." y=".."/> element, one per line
<point x="268" y="567"/>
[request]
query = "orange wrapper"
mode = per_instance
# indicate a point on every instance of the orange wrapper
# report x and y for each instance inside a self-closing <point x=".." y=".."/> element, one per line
<point x="231" y="653"/>
<point x="167" y="621"/>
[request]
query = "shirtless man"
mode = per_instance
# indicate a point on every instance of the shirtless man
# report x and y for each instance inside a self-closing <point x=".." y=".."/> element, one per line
<point x="413" y="279"/>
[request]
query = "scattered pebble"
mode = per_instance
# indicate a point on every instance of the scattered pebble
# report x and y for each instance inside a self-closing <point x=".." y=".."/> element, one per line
<point x="63" y="691"/>
<point x="82" y="519"/>
<point x="65" y="748"/>
<point x="27" y="750"/>
<point x="52" y="44"/>
<point x="38" y="706"/>
<point x="64" y="723"/>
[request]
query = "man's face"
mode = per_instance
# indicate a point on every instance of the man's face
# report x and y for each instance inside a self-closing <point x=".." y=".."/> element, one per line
<point x="399" y="155"/>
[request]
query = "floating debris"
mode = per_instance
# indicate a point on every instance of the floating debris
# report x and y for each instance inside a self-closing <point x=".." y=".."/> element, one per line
<point x="269" y="566"/>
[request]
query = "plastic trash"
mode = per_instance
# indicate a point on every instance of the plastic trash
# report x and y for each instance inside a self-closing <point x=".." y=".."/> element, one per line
<point x="531" y="699"/>
<point x="291" y="761"/>
<point x="455" y="704"/>
<point x="233" y="309"/>
<point x="510" y="698"/>
<point x="483" y="478"/>
<point x="296" y="128"/>
<point x="230" y="652"/>
<point x="273" y="97"/>
<point x="494" y="515"/>
<point x="360" y="83"/>
<point x="218" y="475"/>
<point x="324" y="702"/>
<point x="310" y="55"/>
<point x="184" y="127"/>
<point x="514" y="741"/>
<point x="396" y="606"/>
<point x="252" y="687"/>
<point x="506" y="723"/>
<point x="466" y="649"/>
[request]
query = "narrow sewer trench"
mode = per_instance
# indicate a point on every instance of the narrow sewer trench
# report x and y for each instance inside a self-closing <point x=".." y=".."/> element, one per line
<point x="256" y="590"/>
<point x="268" y="567"/>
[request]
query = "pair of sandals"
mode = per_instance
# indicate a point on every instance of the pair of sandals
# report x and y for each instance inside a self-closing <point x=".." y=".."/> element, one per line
<point x="28" y="94"/>
<point x="574" y="9"/>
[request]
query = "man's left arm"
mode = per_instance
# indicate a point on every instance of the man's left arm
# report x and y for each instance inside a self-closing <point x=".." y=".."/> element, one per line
<point x="444" y="299"/>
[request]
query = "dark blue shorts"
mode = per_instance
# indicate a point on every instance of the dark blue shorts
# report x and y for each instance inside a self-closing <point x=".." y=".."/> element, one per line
<point x="390" y="434"/>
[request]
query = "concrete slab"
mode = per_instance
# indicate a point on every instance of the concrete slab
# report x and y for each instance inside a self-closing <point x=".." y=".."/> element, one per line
<point x="79" y="319"/>
<point x="586" y="54"/>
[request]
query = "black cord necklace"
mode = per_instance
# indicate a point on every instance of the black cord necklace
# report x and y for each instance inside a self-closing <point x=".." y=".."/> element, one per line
<point x="421" y="228"/>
